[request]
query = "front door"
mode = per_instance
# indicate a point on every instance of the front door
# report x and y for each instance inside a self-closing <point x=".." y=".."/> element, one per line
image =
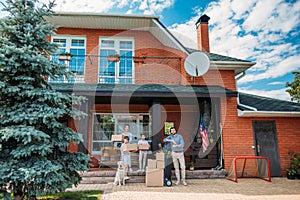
<point x="266" y="143"/>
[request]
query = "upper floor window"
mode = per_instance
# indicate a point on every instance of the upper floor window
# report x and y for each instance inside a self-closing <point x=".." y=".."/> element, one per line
<point x="121" y="72"/>
<point x="76" y="46"/>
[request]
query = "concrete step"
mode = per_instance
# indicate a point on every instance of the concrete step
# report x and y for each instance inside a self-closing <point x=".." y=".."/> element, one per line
<point x="108" y="176"/>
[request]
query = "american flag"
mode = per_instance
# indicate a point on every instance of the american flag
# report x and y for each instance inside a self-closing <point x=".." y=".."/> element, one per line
<point x="205" y="141"/>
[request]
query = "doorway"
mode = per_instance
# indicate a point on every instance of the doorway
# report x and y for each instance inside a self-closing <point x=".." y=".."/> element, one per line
<point x="266" y="143"/>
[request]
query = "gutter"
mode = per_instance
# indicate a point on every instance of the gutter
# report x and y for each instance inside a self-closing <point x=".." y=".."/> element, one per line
<point x="267" y="114"/>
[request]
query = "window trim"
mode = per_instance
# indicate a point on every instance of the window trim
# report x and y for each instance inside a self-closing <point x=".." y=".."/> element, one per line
<point x="109" y="141"/>
<point x="68" y="48"/>
<point x="116" y="48"/>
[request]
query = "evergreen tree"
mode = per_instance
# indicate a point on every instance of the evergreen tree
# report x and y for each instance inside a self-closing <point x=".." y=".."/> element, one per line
<point x="294" y="89"/>
<point x="33" y="156"/>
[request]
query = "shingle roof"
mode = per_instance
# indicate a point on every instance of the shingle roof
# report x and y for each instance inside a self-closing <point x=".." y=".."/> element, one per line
<point x="217" y="57"/>
<point x="266" y="104"/>
<point x="147" y="90"/>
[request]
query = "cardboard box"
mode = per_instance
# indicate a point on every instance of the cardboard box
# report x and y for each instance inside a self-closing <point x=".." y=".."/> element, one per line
<point x="151" y="164"/>
<point x="160" y="156"/>
<point x="112" y="152"/>
<point x="154" y="177"/>
<point x="160" y="164"/>
<point x="144" y="147"/>
<point x="129" y="147"/>
<point x="117" y="138"/>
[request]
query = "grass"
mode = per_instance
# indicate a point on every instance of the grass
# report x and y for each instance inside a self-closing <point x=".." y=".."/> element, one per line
<point x="76" y="195"/>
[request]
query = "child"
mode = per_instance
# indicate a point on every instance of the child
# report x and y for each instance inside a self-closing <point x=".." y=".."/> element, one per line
<point x="125" y="156"/>
<point x="143" y="154"/>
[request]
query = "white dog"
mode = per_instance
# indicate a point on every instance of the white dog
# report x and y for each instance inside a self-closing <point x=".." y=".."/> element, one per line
<point x="120" y="175"/>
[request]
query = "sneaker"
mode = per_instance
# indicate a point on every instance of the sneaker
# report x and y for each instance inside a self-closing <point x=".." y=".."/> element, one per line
<point x="184" y="183"/>
<point x="130" y="169"/>
<point x="139" y="170"/>
<point x="126" y="178"/>
<point x="177" y="183"/>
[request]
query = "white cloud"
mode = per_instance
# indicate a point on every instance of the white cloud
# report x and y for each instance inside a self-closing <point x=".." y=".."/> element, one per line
<point x="277" y="94"/>
<point x="276" y="83"/>
<point x="256" y="30"/>
<point x="286" y="66"/>
<point x="134" y="6"/>
<point x="84" y="5"/>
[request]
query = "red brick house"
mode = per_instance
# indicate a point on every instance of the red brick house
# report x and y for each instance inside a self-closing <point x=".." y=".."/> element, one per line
<point x="155" y="89"/>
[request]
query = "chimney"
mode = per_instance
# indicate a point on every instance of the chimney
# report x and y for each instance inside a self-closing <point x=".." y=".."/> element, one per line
<point x="202" y="33"/>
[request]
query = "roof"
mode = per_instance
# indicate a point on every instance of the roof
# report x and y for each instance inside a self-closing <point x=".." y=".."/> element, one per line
<point x="89" y="20"/>
<point x="143" y="90"/>
<point x="220" y="62"/>
<point x="253" y="105"/>
<point x="217" y="57"/>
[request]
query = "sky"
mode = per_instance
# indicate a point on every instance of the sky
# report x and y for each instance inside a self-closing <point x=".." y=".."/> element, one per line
<point x="266" y="32"/>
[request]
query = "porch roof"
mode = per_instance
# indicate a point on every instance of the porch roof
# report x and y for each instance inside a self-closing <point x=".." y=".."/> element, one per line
<point x="258" y="106"/>
<point x="143" y="90"/>
<point x="261" y="103"/>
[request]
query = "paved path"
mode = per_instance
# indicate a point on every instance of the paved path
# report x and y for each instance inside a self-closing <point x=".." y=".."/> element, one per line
<point x="210" y="189"/>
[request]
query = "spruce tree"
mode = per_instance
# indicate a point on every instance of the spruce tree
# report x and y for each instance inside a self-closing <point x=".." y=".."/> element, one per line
<point x="33" y="141"/>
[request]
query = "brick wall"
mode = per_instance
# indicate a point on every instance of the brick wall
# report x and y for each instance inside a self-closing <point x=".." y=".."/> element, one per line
<point x="238" y="137"/>
<point x="162" y="71"/>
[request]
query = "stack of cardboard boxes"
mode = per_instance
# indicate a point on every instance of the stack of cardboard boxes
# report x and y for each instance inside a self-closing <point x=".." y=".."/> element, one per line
<point x="155" y="171"/>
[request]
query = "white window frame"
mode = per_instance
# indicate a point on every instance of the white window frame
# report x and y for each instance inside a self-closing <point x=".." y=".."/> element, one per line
<point x="69" y="38"/>
<point x="116" y="48"/>
<point x="116" y="129"/>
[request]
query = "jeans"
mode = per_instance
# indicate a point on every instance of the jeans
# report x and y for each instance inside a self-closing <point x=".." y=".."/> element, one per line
<point x="179" y="158"/>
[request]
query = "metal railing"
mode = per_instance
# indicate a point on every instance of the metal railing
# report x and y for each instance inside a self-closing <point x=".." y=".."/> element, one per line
<point x="128" y="70"/>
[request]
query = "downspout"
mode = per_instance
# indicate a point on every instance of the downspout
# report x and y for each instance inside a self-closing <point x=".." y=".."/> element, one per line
<point x="238" y="76"/>
<point x="240" y="113"/>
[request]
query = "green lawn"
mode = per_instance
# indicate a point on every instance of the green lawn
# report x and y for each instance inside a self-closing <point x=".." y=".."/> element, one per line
<point x="86" y="195"/>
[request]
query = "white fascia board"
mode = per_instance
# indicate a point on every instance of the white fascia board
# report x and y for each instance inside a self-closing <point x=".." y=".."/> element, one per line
<point x="170" y="36"/>
<point x="238" y="67"/>
<point x="267" y="114"/>
<point x="230" y="65"/>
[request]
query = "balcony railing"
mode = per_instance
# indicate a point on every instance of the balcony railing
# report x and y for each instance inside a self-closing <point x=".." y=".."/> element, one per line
<point x="128" y="70"/>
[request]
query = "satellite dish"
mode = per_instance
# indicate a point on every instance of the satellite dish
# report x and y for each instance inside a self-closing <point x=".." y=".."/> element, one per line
<point x="196" y="64"/>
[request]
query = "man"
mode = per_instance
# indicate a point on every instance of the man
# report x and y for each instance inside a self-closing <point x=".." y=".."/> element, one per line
<point x="177" y="154"/>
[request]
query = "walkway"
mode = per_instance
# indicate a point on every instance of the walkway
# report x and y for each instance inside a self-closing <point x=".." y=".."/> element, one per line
<point x="210" y="189"/>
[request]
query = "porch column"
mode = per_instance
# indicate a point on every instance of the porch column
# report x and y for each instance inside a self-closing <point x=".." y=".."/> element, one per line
<point x="156" y="124"/>
<point x="83" y="125"/>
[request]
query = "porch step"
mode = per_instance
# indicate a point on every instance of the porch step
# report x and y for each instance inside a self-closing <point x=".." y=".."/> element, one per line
<point x="108" y="176"/>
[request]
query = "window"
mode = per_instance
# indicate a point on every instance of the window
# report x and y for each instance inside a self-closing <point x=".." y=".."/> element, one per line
<point x="76" y="46"/>
<point x="121" y="72"/>
<point x="107" y="124"/>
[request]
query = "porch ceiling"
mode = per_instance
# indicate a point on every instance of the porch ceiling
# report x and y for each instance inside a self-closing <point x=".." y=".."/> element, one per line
<point x="143" y="91"/>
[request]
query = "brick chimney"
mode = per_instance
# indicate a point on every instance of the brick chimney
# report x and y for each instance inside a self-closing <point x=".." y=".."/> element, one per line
<point x="202" y="33"/>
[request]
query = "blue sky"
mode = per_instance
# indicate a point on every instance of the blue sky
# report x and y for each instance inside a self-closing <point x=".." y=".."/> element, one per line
<point x="263" y="31"/>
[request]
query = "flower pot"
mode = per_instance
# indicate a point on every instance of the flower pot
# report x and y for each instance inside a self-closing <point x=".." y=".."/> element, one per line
<point x="192" y="168"/>
<point x="113" y="59"/>
<point x="64" y="57"/>
<point x="292" y="177"/>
